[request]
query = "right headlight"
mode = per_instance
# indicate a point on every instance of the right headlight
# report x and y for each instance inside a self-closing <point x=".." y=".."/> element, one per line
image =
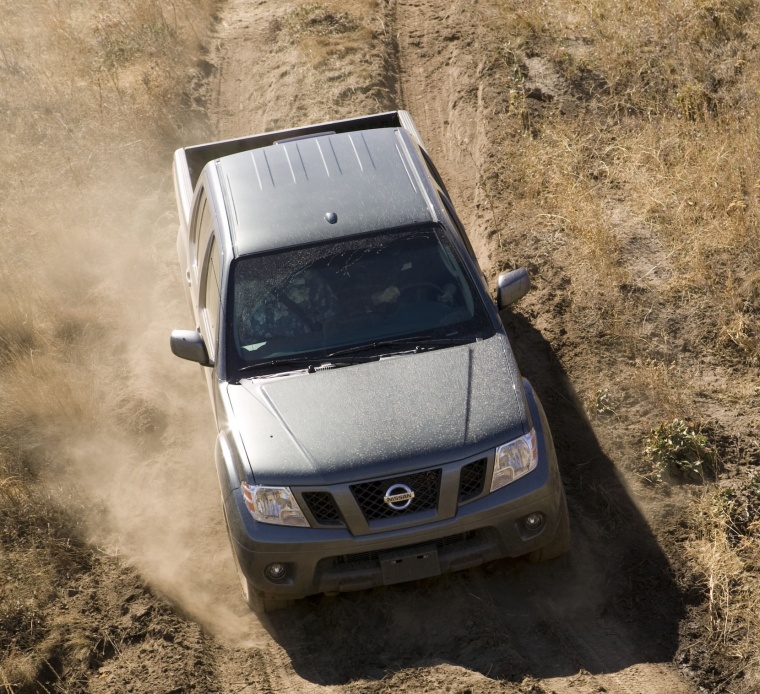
<point x="514" y="460"/>
<point x="275" y="505"/>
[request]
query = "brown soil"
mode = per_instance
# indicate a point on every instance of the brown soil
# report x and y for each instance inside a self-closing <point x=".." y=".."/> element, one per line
<point x="152" y="604"/>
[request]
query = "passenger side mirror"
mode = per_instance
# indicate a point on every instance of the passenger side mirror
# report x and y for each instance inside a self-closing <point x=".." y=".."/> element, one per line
<point x="512" y="286"/>
<point x="189" y="344"/>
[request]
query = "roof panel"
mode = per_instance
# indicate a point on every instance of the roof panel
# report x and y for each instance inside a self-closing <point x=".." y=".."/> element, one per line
<point x="282" y="192"/>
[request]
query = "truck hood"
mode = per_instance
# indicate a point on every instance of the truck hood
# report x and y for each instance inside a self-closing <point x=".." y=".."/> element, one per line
<point x="380" y="418"/>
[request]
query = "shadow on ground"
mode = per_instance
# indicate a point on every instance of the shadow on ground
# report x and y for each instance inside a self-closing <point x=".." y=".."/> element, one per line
<point x="610" y="604"/>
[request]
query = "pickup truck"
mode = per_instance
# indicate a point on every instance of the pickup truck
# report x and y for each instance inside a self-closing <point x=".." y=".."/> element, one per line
<point x="373" y="426"/>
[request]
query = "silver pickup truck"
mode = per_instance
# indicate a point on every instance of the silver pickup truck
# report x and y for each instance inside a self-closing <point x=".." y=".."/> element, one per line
<point x="373" y="425"/>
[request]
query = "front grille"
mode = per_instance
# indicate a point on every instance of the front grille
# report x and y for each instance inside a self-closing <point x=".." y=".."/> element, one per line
<point x="370" y="495"/>
<point x="323" y="508"/>
<point x="374" y="556"/>
<point x="471" y="480"/>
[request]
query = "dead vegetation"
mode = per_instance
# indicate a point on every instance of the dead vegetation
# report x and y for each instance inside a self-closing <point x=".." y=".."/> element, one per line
<point x="89" y="94"/>
<point x="625" y="141"/>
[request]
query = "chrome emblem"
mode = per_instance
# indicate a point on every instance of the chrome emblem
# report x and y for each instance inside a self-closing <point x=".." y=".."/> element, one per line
<point x="398" y="497"/>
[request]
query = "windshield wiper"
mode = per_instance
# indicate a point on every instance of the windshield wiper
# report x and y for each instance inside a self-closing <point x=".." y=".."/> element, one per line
<point x="284" y="361"/>
<point x="312" y="363"/>
<point x="417" y="343"/>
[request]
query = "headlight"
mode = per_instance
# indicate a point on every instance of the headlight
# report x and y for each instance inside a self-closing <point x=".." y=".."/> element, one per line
<point x="273" y="505"/>
<point x="514" y="459"/>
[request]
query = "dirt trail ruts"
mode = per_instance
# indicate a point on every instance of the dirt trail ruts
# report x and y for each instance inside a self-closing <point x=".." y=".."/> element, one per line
<point x="439" y="84"/>
<point x="604" y="619"/>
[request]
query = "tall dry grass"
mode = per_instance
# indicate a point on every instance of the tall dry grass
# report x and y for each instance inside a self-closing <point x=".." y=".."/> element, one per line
<point x="725" y="552"/>
<point x="657" y="142"/>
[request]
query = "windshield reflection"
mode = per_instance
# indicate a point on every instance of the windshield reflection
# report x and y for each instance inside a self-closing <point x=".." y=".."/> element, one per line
<point x="332" y="296"/>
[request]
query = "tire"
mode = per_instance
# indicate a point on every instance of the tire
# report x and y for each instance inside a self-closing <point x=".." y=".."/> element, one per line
<point x="560" y="543"/>
<point x="255" y="599"/>
<point x="262" y="604"/>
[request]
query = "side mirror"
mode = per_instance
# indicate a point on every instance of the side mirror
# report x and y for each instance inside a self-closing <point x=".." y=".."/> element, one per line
<point x="511" y="287"/>
<point x="189" y="344"/>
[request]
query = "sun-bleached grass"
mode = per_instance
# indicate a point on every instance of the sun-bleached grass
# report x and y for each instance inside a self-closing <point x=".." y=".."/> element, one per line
<point x="657" y="143"/>
<point x="726" y="557"/>
<point x="100" y="77"/>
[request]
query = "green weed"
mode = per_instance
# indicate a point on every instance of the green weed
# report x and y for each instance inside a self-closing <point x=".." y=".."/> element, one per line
<point x="680" y="451"/>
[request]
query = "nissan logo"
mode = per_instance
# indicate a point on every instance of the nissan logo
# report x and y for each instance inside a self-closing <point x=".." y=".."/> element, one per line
<point x="398" y="497"/>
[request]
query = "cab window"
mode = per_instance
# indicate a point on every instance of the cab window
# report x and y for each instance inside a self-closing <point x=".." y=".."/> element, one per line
<point x="211" y="294"/>
<point x="458" y="224"/>
<point x="202" y="232"/>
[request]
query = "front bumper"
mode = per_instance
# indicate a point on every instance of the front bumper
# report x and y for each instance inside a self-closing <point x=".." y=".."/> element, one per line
<point x="319" y="563"/>
<point x="363" y="554"/>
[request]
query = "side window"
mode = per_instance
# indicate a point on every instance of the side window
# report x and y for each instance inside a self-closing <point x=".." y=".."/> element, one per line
<point x="457" y="223"/>
<point x="446" y="200"/>
<point x="434" y="172"/>
<point x="200" y="206"/>
<point x="202" y="232"/>
<point x="211" y="294"/>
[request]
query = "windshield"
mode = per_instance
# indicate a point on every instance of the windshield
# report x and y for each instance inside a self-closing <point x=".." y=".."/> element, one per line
<point x="331" y="297"/>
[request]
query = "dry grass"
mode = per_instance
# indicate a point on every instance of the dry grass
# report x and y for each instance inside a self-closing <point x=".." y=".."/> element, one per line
<point x="726" y="554"/>
<point x="627" y="176"/>
<point x="646" y="167"/>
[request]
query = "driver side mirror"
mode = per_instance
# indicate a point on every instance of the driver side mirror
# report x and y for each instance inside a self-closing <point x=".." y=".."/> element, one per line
<point x="189" y="344"/>
<point x="511" y="287"/>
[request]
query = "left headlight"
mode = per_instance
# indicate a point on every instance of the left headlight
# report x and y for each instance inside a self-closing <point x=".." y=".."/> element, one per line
<point x="514" y="460"/>
<point x="275" y="505"/>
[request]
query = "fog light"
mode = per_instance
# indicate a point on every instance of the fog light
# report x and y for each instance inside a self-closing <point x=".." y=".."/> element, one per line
<point x="534" y="521"/>
<point x="276" y="571"/>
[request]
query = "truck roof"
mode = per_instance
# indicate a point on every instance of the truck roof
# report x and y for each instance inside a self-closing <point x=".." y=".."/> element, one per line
<point x="286" y="194"/>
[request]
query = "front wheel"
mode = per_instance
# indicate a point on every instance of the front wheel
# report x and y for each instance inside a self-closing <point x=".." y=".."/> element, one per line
<point x="254" y="598"/>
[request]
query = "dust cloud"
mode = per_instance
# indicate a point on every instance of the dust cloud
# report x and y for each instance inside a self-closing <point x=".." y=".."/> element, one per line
<point x="98" y="415"/>
<point x="121" y="430"/>
<point x="147" y="460"/>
